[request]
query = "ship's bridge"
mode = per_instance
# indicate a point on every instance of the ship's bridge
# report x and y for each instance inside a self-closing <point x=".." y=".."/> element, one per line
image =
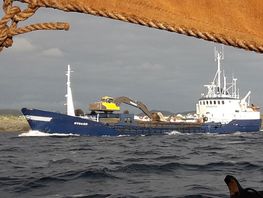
<point x="221" y="103"/>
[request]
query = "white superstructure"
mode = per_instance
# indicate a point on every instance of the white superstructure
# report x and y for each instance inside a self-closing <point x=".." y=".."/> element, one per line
<point x="221" y="103"/>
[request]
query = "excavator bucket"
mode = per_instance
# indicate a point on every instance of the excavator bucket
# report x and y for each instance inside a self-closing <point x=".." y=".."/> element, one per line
<point x="238" y="23"/>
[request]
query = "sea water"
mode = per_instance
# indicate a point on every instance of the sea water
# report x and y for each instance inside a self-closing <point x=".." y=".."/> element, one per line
<point x="175" y="165"/>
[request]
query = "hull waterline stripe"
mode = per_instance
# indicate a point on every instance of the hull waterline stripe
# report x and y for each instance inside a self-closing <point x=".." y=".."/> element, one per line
<point x="39" y="118"/>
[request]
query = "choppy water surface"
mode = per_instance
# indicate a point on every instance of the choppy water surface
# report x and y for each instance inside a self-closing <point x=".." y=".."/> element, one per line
<point x="156" y="166"/>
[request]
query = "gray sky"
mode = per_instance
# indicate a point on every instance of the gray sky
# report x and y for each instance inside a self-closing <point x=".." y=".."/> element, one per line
<point x="164" y="70"/>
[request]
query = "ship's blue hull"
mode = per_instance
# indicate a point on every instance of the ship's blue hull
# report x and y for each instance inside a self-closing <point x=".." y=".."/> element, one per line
<point x="51" y="122"/>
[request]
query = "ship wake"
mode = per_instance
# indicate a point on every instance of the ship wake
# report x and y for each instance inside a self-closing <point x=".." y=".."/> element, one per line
<point x="35" y="133"/>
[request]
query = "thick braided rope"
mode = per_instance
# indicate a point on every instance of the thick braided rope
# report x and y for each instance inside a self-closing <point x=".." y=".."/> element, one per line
<point x="71" y="6"/>
<point x="40" y="26"/>
<point x="14" y="15"/>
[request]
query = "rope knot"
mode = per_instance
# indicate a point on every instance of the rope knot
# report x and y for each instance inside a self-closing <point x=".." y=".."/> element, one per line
<point x="4" y="37"/>
<point x="10" y="12"/>
<point x="13" y="15"/>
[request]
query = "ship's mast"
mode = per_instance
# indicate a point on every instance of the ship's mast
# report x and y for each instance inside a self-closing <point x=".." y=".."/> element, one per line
<point x="70" y="105"/>
<point x="224" y="89"/>
<point x="219" y="88"/>
<point x="218" y="57"/>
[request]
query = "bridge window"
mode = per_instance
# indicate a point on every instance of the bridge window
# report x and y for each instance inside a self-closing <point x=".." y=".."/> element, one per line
<point x="207" y="102"/>
<point x="218" y="102"/>
<point x="214" y="102"/>
<point x="210" y="102"/>
<point x="223" y="102"/>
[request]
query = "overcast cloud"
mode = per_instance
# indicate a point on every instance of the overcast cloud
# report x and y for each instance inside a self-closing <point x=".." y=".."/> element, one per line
<point x="164" y="70"/>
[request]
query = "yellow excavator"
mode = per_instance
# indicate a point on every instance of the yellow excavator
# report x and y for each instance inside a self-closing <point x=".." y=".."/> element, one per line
<point x="106" y="104"/>
<point x="109" y="104"/>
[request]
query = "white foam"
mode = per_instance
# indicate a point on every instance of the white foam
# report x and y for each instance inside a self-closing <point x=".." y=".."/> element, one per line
<point x="238" y="133"/>
<point x="208" y="134"/>
<point x="123" y="136"/>
<point x="35" y="133"/>
<point x="175" y="133"/>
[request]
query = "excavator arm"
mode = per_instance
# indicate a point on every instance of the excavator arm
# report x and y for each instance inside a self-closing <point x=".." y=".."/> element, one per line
<point x="137" y="104"/>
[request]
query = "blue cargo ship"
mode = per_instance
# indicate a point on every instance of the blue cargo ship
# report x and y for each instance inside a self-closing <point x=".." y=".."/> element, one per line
<point x="220" y="110"/>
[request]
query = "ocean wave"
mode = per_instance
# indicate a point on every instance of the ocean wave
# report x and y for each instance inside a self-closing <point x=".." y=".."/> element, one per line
<point x="197" y="187"/>
<point x="30" y="184"/>
<point x="26" y="184"/>
<point x="6" y="181"/>
<point x="97" y="195"/>
<point x="11" y="149"/>
<point x="202" y="196"/>
<point x="170" y="157"/>
<point x="143" y="153"/>
<point x="149" y="168"/>
<point x="213" y="166"/>
<point x="81" y="149"/>
<point x="98" y="174"/>
<point x="91" y="174"/>
<point x="61" y="161"/>
<point x="89" y="196"/>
